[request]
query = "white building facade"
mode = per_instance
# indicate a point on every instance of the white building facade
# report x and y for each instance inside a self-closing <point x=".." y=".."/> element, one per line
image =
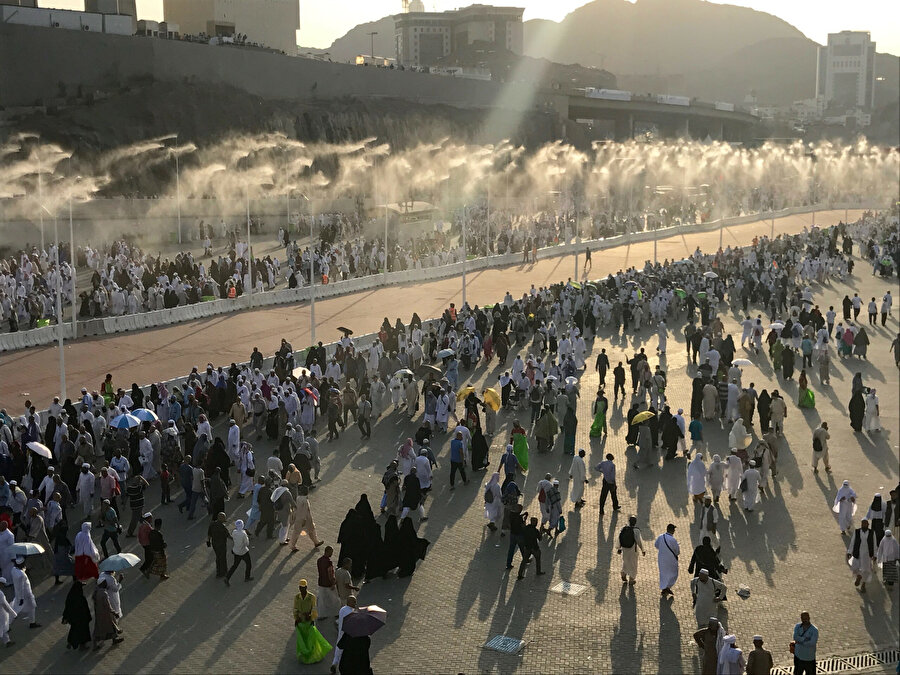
<point x="845" y="76"/>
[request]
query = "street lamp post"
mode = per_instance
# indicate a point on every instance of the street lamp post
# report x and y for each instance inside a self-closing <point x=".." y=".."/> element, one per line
<point x="249" y="257"/>
<point x="178" y="195"/>
<point x="465" y="218"/>
<point x="372" y="35"/>
<point x="41" y="202"/>
<point x="74" y="273"/>
<point x="312" y="286"/>
<point x="59" y="317"/>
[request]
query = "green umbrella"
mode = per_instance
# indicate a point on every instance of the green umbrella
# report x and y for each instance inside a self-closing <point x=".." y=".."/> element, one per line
<point x="680" y="292"/>
<point x="575" y="285"/>
<point x="701" y="294"/>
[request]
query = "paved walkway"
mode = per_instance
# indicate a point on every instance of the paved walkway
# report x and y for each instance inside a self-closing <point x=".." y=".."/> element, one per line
<point x="789" y="552"/>
<point x="172" y="351"/>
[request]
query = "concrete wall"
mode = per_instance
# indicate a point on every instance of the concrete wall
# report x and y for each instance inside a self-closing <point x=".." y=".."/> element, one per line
<point x="34" y="60"/>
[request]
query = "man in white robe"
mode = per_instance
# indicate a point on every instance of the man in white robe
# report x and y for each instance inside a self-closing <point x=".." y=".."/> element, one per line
<point x="715" y="477"/>
<point x="860" y="555"/>
<point x="668" y="551"/>
<point x="708" y="522"/>
<point x="707" y="594"/>
<point x="696" y="478"/>
<point x="578" y="476"/>
<point x="23" y="603"/>
<point x="750" y="481"/>
<point x="845" y="506"/>
<point x="733" y="475"/>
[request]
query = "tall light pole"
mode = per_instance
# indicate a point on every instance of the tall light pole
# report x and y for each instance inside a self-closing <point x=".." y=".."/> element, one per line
<point x="372" y="35"/>
<point x="465" y="218"/>
<point x="41" y="202"/>
<point x="249" y="257"/>
<point x="59" y="322"/>
<point x="178" y="194"/>
<point x="312" y="264"/>
<point x="74" y="272"/>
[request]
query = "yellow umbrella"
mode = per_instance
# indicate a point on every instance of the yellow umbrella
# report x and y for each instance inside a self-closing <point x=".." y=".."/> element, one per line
<point x="462" y="393"/>
<point x="642" y="417"/>
<point x="492" y="398"/>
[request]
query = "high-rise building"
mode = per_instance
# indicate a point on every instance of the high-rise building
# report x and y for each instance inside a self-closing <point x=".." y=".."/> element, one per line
<point x="272" y="23"/>
<point x="423" y="38"/>
<point x="845" y="75"/>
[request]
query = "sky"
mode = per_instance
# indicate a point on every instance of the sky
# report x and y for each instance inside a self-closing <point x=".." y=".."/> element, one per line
<point x="321" y="21"/>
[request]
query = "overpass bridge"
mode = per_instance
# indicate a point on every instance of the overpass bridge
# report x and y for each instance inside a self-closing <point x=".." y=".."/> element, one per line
<point x="674" y="116"/>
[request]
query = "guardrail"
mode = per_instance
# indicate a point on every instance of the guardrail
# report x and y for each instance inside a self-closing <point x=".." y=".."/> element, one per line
<point x="202" y="310"/>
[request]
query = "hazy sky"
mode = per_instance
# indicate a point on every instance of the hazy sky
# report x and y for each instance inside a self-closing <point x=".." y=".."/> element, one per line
<point x="324" y="20"/>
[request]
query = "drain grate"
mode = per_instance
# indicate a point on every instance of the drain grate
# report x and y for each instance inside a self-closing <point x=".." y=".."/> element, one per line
<point x="862" y="661"/>
<point x="505" y="644"/>
<point x="887" y="655"/>
<point x="832" y="665"/>
<point x="568" y="588"/>
<point x="848" y="664"/>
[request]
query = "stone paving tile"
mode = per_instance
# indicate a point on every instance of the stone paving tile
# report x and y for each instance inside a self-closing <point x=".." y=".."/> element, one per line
<point x="789" y="552"/>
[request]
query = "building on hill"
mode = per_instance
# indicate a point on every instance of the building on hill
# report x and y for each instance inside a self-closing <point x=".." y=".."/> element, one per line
<point x="845" y="74"/>
<point x="424" y="38"/>
<point x="272" y="23"/>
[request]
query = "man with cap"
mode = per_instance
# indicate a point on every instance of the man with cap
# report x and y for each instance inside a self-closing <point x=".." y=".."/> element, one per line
<point x="750" y="486"/>
<point x="347" y="609"/>
<point x="759" y="661"/>
<point x="234" y="439"/>
<point x="23" y="603"/>
<point x="706" y="593"/>
<point x="85" y="490"/>
<point x="667" y="559"/>
<point x="46" y="488"/>
<point x="304" y="605"/>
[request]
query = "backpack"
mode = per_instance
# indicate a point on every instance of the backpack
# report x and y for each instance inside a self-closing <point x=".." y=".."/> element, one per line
<point x="817" y="444"/>
<point x="626" y="537"/>
<point x="488" y="496"/>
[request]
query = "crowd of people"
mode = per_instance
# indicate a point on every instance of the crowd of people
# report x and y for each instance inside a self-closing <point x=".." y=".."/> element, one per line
<point x="125" y="278"/>
<point x="108" y="447"/>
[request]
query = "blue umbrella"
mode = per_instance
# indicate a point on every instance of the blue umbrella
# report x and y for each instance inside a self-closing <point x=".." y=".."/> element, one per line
<point x="145" y="415"/>
<point x="125" y="421"/>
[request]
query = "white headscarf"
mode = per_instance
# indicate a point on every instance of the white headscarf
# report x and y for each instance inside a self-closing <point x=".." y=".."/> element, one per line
<point x="84" y="545"/>
<point x="238" y="525"/>
<point x="845" y="491"/>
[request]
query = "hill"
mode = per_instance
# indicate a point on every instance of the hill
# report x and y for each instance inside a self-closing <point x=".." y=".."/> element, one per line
<point x="693" y="48"/>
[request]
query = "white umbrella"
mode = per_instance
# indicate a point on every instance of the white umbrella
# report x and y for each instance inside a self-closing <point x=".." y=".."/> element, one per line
<point x="280" y="490"/>
<point x="118" y="562"/>
<point x="742" y="362"/>
<point x="403" y="372"/>
<point x="444" y="353"/>
<point x="40" y="449"/>
<point x="571" y="381"/>
<point x="711" y="275"/>
<point x="301" y="372"/>
<point x="25" y="548"/>
<point x="776" y="325"/>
